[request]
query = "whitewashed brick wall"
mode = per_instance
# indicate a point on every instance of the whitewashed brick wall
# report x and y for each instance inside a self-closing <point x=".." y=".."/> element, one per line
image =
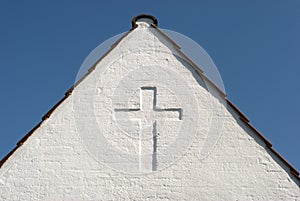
<point x="61" y="162"/>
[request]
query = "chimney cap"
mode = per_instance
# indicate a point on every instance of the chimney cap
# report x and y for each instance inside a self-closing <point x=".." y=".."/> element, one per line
<point x="141" y="16"/>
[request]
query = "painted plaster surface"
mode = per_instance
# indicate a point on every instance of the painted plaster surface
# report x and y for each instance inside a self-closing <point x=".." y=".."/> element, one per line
<point x="144" y="125"/>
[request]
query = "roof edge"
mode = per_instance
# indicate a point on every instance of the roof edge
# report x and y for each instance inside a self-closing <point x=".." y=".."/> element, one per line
<point x="67" y="94"/>
<point x="190" y="61"/>
<point x="268" y="144"/>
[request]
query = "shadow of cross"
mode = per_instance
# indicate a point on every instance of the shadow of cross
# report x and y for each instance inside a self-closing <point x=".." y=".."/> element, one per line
<point x="147" y="115"/>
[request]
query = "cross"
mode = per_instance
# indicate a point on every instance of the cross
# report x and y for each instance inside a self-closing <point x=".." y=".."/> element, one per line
<point x="147" y="114"/>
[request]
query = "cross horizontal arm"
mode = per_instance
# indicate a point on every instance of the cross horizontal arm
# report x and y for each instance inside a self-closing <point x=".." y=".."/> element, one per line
<point x="179" y="110"/>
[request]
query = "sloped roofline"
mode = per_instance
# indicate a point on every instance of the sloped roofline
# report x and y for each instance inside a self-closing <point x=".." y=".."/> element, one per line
<point x="242" y="116"/>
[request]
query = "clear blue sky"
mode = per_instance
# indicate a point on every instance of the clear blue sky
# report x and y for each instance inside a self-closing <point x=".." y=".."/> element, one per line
<point x="255" y="45"/>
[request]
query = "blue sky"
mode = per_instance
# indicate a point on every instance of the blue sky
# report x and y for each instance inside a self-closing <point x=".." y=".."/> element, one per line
<point x="255" y="45"/>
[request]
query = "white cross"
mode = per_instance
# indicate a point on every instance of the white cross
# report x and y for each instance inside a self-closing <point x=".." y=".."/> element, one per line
<point x="147" y="114"/>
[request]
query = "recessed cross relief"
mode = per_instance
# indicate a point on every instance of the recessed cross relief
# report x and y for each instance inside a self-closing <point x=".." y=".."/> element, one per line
<point x="148" y="114"/>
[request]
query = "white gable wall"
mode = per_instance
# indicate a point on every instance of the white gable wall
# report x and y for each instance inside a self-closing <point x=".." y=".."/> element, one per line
<point x="59" y="163"/>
